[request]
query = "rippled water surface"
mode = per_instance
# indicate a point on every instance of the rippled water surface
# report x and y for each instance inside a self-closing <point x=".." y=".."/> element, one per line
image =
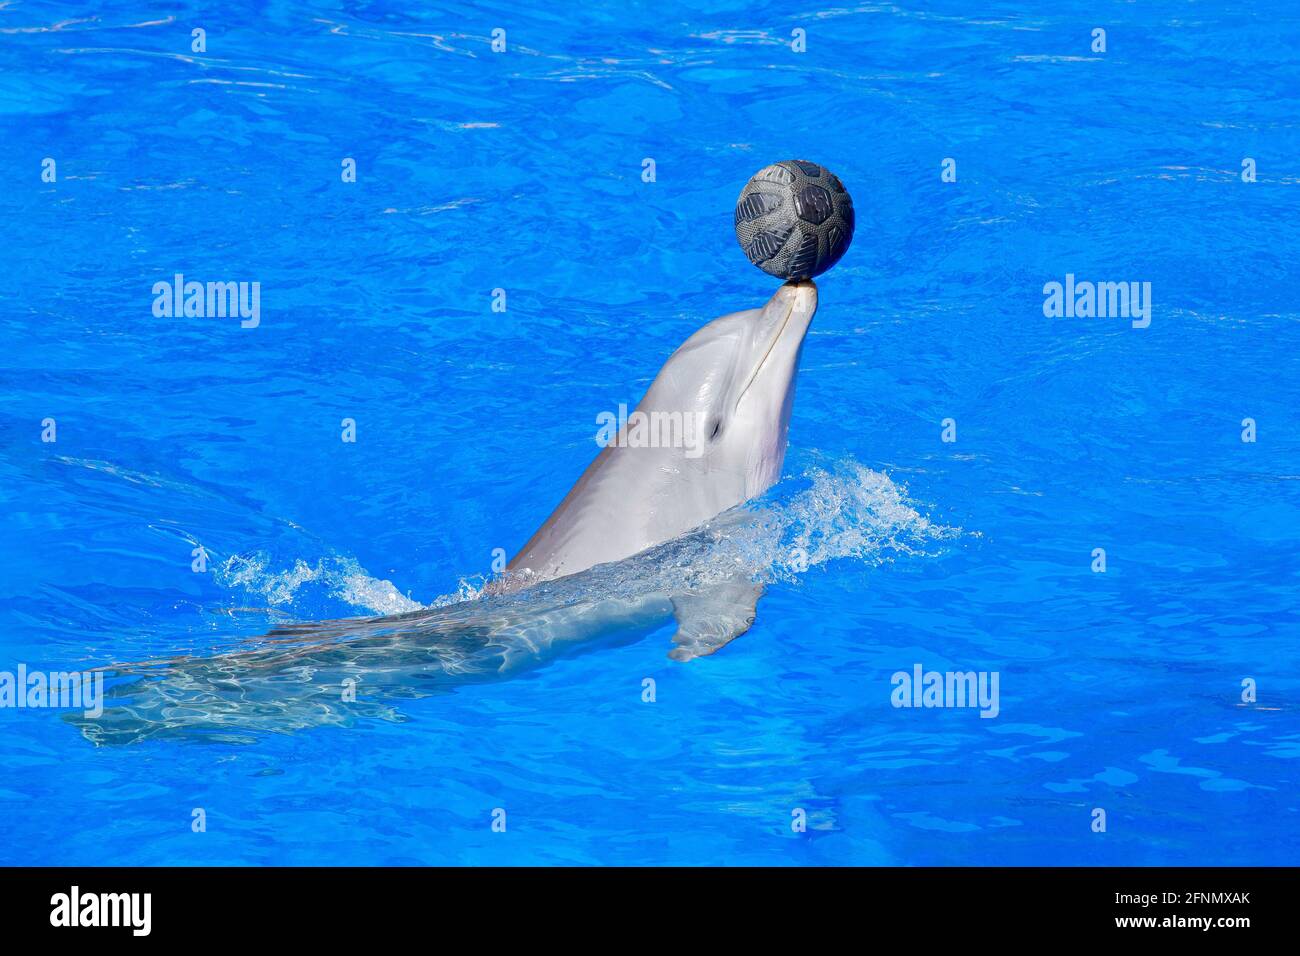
<point x="522" y="171"/>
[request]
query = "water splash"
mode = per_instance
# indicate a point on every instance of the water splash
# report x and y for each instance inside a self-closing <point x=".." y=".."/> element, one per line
<point x="839" y="510"/>
<point x="341" y="578"/>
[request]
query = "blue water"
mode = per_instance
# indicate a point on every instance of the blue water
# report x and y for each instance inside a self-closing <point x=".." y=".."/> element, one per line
<point x="522" y="171"/>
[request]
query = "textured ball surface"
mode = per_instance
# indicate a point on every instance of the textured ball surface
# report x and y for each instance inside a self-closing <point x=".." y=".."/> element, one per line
<point x="794" y="219"/>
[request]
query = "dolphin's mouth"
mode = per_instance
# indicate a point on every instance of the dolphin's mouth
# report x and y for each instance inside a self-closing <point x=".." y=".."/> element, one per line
<point x="758" y="367"/>
<point x="767" y="352"/>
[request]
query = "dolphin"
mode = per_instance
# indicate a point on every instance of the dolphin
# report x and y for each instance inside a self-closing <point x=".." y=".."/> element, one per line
<point x="606" y="566"/>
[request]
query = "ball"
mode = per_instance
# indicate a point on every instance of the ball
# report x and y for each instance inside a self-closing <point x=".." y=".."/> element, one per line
<point x="794" y="219"/>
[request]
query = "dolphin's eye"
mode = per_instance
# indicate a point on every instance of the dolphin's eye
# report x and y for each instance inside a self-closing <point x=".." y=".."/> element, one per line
<point x="717" y="427"/>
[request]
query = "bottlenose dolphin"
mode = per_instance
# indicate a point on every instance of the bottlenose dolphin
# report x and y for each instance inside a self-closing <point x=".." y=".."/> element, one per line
<point x="633" y="543"/>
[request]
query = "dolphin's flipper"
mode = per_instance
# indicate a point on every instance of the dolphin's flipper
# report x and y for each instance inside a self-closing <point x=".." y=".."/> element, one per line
<point x="709" y="620"/>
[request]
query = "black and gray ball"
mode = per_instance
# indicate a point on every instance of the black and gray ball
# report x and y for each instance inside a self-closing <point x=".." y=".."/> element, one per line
<point x="794" y="219"/>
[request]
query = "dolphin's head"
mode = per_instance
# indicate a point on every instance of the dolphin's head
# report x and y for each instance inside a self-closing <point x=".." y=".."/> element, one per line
<point x="709" y="434"/>
<point x="735" y="378"/>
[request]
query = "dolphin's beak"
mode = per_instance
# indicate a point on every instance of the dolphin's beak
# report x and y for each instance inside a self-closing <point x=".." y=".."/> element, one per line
<point x="782" y="325"/>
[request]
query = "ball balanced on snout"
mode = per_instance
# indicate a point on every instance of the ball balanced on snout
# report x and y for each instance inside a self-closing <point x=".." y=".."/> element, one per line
<point x="794" y="219"/>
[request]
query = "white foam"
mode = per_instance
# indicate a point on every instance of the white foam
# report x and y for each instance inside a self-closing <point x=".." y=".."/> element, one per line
<point x="341" y="577"/>
<point x="838" y="510"/>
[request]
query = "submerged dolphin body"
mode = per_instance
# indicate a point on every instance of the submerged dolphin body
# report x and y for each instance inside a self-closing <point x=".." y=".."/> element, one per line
<point x="632" y="544"/>
<point x="335" y="672"/>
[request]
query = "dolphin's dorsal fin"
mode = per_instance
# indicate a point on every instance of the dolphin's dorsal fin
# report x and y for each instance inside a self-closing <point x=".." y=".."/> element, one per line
<point x="709" y="620"/>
